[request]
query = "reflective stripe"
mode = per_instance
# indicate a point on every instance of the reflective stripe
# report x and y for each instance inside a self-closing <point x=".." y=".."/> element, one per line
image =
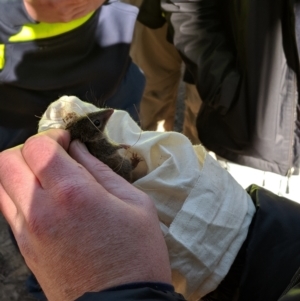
<point x="30" y="32"/>
<point x="2" y="56"/>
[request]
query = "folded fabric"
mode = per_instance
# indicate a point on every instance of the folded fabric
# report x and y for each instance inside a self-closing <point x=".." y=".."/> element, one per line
<point x="204" y="212"/>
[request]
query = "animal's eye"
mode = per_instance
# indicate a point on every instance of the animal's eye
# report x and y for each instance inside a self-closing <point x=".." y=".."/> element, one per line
<point x="97" y="122"/>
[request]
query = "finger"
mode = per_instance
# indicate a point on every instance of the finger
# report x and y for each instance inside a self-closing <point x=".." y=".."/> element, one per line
<point x="7" y="207"/>
<point x="62" y="137"/>
<point x="13" y="216"/>
<point x="112" y="182"/>
<point x="18" y="182"/>
<point x="46" y="156"/>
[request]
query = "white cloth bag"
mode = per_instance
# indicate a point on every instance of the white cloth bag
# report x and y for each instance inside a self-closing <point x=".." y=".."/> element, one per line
<point x="204" y="212"/>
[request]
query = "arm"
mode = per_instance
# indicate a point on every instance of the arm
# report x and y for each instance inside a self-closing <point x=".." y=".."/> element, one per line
<point x="80" y="227"/>
<point x="204" y="41"/>
<point x="52" y="11"/>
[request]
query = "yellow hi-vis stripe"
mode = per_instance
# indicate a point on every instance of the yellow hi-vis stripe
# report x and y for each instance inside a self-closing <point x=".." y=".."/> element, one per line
<point x="2" y="56"/>
<point x="30" y="32"/>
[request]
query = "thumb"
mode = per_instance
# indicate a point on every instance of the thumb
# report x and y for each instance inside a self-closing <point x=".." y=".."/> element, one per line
<point x="104" y="175"/>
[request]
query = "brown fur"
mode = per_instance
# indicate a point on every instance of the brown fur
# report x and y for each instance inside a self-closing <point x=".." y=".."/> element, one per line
<point x="89" y="129"/>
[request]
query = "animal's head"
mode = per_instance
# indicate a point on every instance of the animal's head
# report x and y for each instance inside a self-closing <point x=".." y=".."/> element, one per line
<point x="90" y="127"/>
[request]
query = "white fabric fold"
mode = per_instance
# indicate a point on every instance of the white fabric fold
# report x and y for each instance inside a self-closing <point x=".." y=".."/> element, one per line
<point x="204" y="212"/>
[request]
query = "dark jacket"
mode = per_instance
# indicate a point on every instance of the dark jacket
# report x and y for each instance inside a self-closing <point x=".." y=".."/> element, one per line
<point x="268" y="264"/>
<point x="136" y="292"/>
<point x="244" y="58"/>
<point x="273" y="248"/>
<point x="40" y="62"/>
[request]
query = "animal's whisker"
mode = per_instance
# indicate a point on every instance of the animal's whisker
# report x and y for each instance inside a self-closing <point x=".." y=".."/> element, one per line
<point x="119" y="167"/>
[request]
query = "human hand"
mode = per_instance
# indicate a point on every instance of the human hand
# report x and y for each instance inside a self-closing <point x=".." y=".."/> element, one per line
<point x="79" y="226"/>
<point x="52" y="11"/>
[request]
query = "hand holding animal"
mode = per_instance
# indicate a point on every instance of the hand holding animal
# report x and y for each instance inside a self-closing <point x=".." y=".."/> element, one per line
<point x="90" y="130"/>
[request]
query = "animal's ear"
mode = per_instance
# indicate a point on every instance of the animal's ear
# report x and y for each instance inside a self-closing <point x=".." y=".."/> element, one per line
<point x="100" y="118"/>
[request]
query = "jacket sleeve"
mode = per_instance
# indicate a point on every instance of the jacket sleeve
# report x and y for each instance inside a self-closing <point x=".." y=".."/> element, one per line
<point x="13" y="15"/>
<point x="200" y="33"/>
<point x="135" y="292"/>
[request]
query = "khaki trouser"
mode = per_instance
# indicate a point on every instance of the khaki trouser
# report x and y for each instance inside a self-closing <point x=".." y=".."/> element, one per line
<point x="161" y="64"/>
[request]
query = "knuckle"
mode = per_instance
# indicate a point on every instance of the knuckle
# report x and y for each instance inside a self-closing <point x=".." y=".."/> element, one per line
<point x="40" y="148"/>
<point x="150" y="211"/>
<point x="36" y="224"/>
<point x="44" y="226"/>
<point x="67" y="191"/>
<point x="26" y="248"/>
<point x="34" y="143"/>
<point x="149" y="203"/>
<point x="29" y="145"/>
<point x="107" y="174"/>
<point x="146" y="202"/>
